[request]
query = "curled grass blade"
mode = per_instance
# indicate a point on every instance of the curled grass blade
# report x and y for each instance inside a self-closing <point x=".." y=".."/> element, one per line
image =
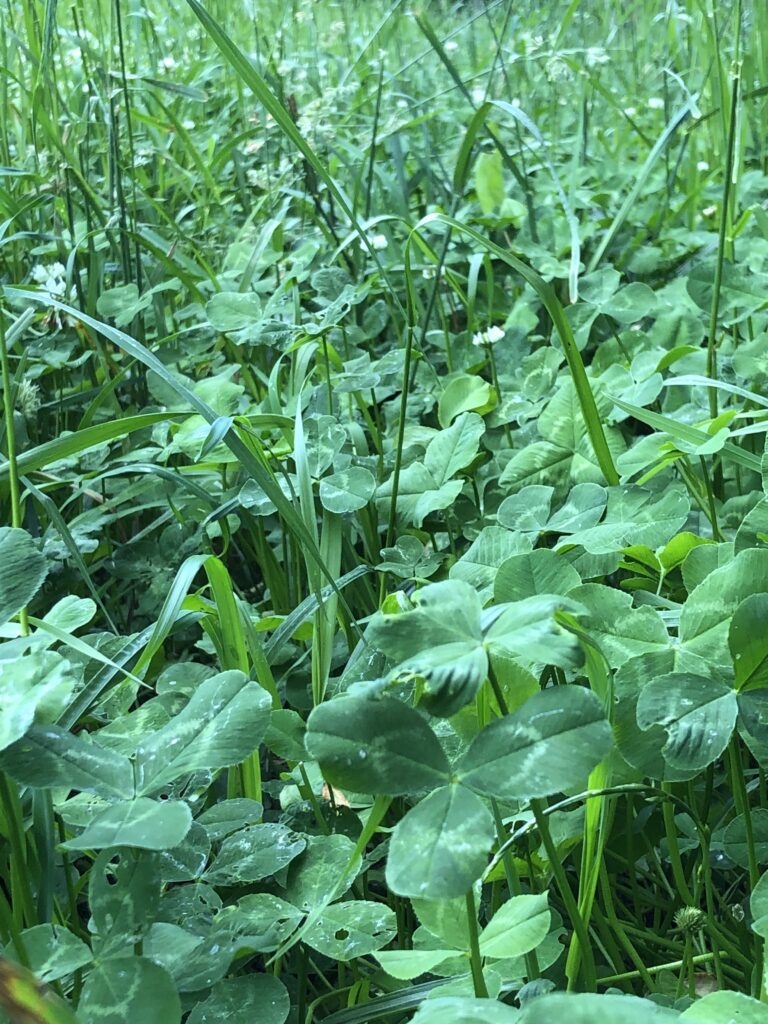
<point x="556" y="312"/>
<point x="642" y="176"/>
<point x="691" y="435"/>
<point x="81" y="440"/>
<point x="74" y="552"/>
<point x="246" y="456"/>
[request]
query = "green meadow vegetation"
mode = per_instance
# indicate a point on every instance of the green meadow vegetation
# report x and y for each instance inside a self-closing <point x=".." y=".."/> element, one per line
<point x="383" y="512"/>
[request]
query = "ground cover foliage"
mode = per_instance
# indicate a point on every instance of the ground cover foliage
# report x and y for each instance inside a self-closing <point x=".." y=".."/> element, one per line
<point x="383" y="565"/>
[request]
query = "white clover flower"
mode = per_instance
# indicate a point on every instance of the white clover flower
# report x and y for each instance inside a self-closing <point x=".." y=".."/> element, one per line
<point x="702" y="165"/>
<point x="168" y="63"/>
<point x="28" y="399"/>
<point x="451" y="46"/>
<point x="596" y="55"/>
<point x="53" y="280"/>
<point x="377" y="243"/>
<point x="488" y="337"/>
<point x="655" y="103"/>
<point x="255" y="179"/>
<point x="557" y="70"/>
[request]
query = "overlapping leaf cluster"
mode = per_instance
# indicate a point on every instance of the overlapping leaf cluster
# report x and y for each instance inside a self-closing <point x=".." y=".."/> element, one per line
<point x="384" y="551"/>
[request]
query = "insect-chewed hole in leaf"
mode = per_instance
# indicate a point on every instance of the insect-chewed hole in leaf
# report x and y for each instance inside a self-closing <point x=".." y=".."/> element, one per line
<point x="341" y="933"/>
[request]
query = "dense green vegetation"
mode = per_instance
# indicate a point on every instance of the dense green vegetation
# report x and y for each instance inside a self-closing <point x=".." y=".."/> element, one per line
<point x="383" y="515"/>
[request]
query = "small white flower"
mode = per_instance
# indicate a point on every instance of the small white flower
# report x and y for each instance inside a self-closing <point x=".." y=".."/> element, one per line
<point x="596" y="55"/>
<point x="557" y="70"/>
<point x="655" y="103"/>
<point x="709" y="211"/>
<point x="378" y="242"/>
<point x="451" y="46"/>
<point x="702" y="165"/>
<point x="168" y="63"/>
<point x="28" y="399"/>
<point x="478" y="95"/>
<point x="52" y="279"/>
<point x="630" y="111"/>
<point x="402" y="104"/>
<point x="488" y="337"/>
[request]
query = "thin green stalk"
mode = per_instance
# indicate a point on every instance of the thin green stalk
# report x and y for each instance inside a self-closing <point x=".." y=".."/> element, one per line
<point x="675" y="965"/>
<point x="513" y="883"/>
<point x="566" y="894"/>
<point x="687" y="969"/>
<point x="618" y="929"/>
<point x="21" y="882"/>
<point x="741" y="798"/>
<point x="716" y="532"/>
<point x="493" y="679"/>
<point x="709" y="896"/>
<point x="721" y="240"/>
<point x="670" y="828"/>
<point x="374" y="132"/>
<point x="10" y="440"/>
<point x="475" y="960"/>
<point x="10" y="930"/>
<point x="314" y="802"/>
<point x="45" y="842"/>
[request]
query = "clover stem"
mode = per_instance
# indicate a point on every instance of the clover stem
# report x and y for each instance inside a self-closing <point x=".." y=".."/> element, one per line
<point x="569" y="900"/>
<point x="474" y="948"/>
<point x="678" y="874"/>
<point x="513" y="883"/>
<point x="493" y="679"/>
